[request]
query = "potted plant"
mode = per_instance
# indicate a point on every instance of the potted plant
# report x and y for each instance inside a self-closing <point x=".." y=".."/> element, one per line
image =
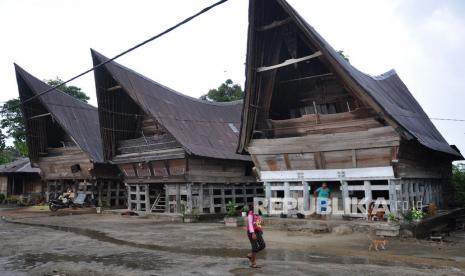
<point x="231" y="219"/>
<point x="2" y="198"/>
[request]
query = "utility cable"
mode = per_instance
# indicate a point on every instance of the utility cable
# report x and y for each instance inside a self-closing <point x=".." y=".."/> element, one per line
<point x="128" y="50"/>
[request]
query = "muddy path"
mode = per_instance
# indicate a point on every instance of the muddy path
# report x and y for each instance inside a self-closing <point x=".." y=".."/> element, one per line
<point x="331" y="255"/>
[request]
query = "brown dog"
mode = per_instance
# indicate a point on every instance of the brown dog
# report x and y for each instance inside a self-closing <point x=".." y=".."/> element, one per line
<point x="376" y="242"/>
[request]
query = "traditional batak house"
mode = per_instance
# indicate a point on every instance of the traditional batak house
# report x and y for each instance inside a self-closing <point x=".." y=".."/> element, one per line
<point x="63" y="138"/>
<point x="18" y="178"/>
<point x="310" y="116"/>
<point x="174" y="150"/>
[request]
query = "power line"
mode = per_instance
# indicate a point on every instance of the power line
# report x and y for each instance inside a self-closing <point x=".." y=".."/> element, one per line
<point x="92" y="108"/>
<point x="128" y="50"/>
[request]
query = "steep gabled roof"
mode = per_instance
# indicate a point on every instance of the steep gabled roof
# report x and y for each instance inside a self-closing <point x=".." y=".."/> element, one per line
<point x="387" y="90"/>
<point x="203" y="128"/>
<point x="77" y="118"/>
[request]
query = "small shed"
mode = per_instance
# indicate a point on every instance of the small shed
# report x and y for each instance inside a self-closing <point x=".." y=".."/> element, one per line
<point x="18" y="178"/>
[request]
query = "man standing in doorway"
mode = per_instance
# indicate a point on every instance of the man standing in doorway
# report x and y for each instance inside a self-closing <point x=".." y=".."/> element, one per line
<point x="321" y="198"/>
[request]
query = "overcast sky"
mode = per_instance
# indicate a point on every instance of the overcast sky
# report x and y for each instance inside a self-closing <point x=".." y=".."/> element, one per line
<point x="423" y="40"/>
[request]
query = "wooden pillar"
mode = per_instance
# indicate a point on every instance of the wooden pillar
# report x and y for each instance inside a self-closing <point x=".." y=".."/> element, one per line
<point x="233" y="192"/>
<point x="99" y="191"/>
<point x="306" y="191"/>
<point x="268" y="195"/>
<point x="212" y="200"/>
<point x="167" y="199"/>
<point x="403" y="194"/>
<point x="367" y="188"/>
<point x="117" y="194"/>
<point x="223" y="199"/>
<point x="410" y="193"/>
<point x="108" y="193"/>
<point x="428" y="192"/>
<point x="138" y="208"/>
<point x="368" y="193"/>
<point x="244" y="194"/>
<point x="201" y="198"/>
<point x="189" y="197"/>
<point x="441" y="202"/>
<point x="345" y="196"/>
<point x="392" y="196"/>
<point x="47" y="192"/>
<point x="287" y="190"/>
<point x="422" y="193"/>
<point x="178" y="198"/>
<point x="128" y="199"/>
<point x="148" y="207"/>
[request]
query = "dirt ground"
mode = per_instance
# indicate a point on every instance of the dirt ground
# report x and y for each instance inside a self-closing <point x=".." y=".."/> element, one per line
<point x="37" y="242"/>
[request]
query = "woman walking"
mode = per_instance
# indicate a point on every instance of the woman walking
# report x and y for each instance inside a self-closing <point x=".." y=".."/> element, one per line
<point x="255" y="234"/>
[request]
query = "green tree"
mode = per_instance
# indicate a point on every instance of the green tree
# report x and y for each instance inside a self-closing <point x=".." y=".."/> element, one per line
<point x="71" y="90"/>
<point x="458" y="180"/>
<point x="12" y="122"/>
<point x="226" y="92"/>
<point x="9" y="154"/>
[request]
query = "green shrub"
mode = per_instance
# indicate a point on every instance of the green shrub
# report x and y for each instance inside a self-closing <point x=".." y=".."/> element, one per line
<point x="417" y="214"/>
<point x="413" y="214"/>
<point x="2" y="197"/>
<point x="12" y="200"/>
<point x="392" y="217"/>
<point x="231" y="209"/>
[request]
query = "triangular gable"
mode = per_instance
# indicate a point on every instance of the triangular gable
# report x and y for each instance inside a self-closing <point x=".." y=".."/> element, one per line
<point x="78" y="119"/>
<point x="202" y="128"/>
<point x="388" y="94"/>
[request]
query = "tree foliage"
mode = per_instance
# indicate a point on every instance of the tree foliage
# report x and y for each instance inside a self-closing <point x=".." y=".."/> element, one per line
<point x="226" y="92"/>
<point x="71" y="89"/>
<point x="458" y="180"/>
<point x="12" y="120"/>
<point x="12" y="124"/>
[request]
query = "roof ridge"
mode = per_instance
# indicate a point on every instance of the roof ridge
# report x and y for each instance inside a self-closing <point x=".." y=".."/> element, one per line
<point x="100" y="57"/>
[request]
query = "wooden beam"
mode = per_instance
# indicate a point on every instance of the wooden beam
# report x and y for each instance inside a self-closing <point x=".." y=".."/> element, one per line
<point x="372" y="138"/>
<point x="255" y="161"/>
<point x="274" y="24"/>
<point x="287" y="162"/>
<point x="308" y="78"/>
<point x="39" y="116"/>
<point x="114" y="88"/>
<point x="354" y="158"/>
<point x="289" y="62"/>
<point x="320" y="162"/>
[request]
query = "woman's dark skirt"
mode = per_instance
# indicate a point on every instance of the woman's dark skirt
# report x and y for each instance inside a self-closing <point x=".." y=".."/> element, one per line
<point x="259" y="243"/>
